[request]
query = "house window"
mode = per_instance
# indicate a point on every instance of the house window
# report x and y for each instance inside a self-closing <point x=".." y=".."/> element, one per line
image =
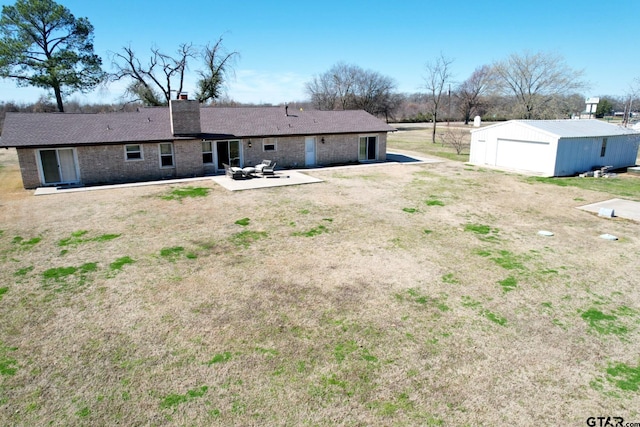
<point x="367" y="148"/>
<point x="269" y="144"/>
<point x="207" y="152"/>
<point x="603" y="149"/>
<point x="166" y="155"/>
<point x="133" y="152"/>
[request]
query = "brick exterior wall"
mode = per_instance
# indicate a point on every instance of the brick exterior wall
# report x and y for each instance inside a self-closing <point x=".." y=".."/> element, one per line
<point x="382" y="147"/>
<point x="290" y="151"/>
<point x="28" y="167"/>
<point x="188" y="158"/>
<point x="107" y="164"/>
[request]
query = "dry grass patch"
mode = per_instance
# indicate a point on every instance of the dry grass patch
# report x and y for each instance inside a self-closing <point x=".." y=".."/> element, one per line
<point x="320" y="304"/>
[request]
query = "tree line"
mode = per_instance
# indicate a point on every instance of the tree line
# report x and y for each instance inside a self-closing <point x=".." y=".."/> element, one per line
<point x="529" y="85"/>
<point x="43" y="44"/>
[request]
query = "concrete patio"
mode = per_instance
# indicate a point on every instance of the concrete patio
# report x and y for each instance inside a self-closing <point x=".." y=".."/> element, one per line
<point x="281" y="178"/>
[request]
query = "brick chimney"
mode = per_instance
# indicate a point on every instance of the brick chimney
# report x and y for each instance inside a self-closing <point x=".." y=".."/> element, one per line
<point x="185" y="116"/>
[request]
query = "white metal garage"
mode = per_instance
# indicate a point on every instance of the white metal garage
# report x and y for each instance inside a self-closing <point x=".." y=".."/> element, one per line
<point x="554" y="147"/>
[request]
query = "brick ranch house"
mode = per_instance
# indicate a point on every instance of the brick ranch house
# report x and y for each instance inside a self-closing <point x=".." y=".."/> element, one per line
<point x="185" y="140"/>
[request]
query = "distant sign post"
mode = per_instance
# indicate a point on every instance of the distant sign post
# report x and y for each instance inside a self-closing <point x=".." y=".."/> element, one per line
<point x="592" y="105"/>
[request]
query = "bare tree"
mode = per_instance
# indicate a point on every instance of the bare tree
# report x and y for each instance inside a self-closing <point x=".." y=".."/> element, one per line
<point x="153" y="82"/>
<point x="373" y="92"/>
<point x="344" y="77"/>
<point x="632" y="94"/>
<point x="390" y="106"/>
<point x="562" y="106"/>
<point x="457" y="138"/>
<point x="349" y="87"/>
<point x="437" y="77"/>
<point x="334" y="88"/>
<point x="470" y="91"/>
<point x="218" y="63"/>
<point x="535" y="79"/>
<point x="322" y="92"/>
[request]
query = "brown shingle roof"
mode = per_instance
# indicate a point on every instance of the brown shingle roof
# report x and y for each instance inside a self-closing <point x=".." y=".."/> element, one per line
<point x="153" y="124"/>
<point x="38" y="129"/>
<point x="272" y="121"/>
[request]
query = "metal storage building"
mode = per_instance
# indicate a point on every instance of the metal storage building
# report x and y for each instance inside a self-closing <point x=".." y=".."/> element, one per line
<point x="554" y="147"/>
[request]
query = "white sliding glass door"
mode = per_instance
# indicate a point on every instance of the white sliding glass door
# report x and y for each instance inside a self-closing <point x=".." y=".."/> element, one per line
<point x="58" y="166"/>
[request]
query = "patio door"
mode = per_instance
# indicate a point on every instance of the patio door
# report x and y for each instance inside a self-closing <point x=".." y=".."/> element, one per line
<point x="310" y="151"/>
<point x="58" y="166"/>
<point x="368" y="148"/>
<point x="228" y="152"/>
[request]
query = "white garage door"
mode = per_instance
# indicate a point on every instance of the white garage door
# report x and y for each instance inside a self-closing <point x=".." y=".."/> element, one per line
<point x="523" y="155"/>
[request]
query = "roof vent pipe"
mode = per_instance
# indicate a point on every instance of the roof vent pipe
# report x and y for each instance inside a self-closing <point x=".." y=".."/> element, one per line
<point x="286" y="110"/>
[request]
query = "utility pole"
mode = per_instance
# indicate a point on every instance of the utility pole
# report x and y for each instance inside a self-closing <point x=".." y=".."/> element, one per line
<point x="627" y="112"/>
<point x="449" y="113"/>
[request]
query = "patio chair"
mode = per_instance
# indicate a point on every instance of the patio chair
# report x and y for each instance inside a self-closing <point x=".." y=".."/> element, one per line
<point x="262" y="165"/>
<point x="233" y="172"/>
<point x="269" y="170"/>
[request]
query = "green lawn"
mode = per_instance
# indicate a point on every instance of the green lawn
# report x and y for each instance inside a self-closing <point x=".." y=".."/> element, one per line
<point x="627" y="186"/>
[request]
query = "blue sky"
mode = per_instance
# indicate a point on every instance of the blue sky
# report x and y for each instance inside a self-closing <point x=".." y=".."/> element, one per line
<point x="283" y="44"/>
